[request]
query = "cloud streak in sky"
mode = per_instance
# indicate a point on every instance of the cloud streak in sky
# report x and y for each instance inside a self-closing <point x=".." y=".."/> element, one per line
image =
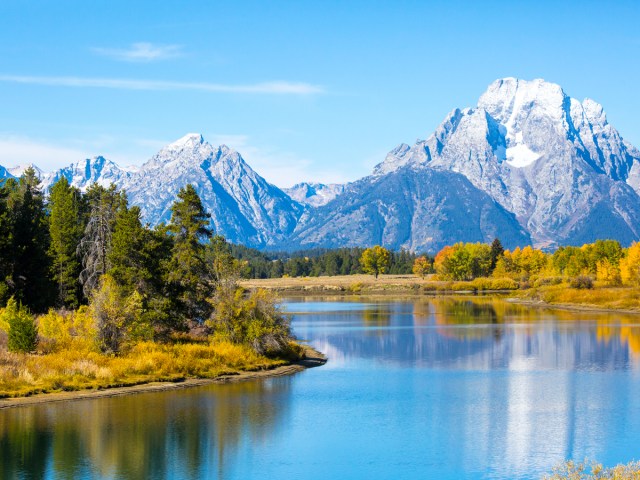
<point x="141" y="52"/>
<point x="270" y="88"/>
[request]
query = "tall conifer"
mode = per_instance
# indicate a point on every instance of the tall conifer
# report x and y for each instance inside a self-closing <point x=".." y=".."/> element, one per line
<point x="187" y="272"/>
<point x="66" y="227"/>
<point x="28" y="262"/>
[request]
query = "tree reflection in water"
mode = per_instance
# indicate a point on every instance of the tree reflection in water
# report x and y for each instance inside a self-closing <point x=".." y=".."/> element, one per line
<point x="154" y="435"/>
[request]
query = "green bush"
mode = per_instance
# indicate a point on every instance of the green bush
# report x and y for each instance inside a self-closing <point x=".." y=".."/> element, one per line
<point x="253" y="320"/>
<point x="22" y="330"/>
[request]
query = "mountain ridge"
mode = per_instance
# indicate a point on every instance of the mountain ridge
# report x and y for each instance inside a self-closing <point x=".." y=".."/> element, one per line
<point x="527" y="163"/>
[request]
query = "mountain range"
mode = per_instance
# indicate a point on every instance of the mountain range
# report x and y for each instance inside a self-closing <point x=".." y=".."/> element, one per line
<point x="528" y="164"/>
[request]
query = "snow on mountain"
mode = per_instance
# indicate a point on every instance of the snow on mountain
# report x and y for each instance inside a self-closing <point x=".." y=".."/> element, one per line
<point x="527" y="164"/>
<point x="86" y="172"/>
<point x="4" y="174"/>
<point x="549" y="159"/>
<point x="314" y="194"/>
<point x="420" y="209"/>
<point x="245" y="208"/>
<point x="19" y="170"/>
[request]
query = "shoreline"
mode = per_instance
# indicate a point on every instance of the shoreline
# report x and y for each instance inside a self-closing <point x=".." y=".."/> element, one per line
<point x="575" y="307"/>
<point x="312" y="358"/>
<point x="405" y="286"/>
<point x="361" y="284"/>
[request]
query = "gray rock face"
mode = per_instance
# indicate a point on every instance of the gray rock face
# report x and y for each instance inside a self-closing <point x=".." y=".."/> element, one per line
<point x="4" y="174"/>
<point x="554" y="162"/>
<point x="244" y="207"/>
<point x="416" y="208"/>
<point x="314" y="194"/>
<point x="527" y="164"/>
<point x="85" y="172"/>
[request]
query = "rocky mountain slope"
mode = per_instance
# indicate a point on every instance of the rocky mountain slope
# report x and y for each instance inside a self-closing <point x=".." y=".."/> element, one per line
<point x="244" y="207"/>
<point x="314" y="194"/>
<point x="553" y="161"/>
<point x="527" y="164"/>
<point x="419" y="209"/>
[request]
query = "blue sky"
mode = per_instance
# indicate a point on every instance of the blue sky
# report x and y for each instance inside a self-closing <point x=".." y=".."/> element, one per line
<point x="304" y="90"/>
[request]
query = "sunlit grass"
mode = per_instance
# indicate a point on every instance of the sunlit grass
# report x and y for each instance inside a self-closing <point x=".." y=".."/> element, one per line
<point x="79" y="366"/>
<point x="615" y="298"/>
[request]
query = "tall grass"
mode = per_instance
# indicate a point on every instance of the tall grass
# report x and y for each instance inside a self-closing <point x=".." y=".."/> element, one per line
<point x="614" y="298"/>
<point x="80" y="366"/>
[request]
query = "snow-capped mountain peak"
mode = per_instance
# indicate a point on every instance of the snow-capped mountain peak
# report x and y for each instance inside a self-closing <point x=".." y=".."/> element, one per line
<point x="544" y="156"/>
<point x="19" y="170"/>
<point x="528" y="163"/>
<point x="190" y="140"/>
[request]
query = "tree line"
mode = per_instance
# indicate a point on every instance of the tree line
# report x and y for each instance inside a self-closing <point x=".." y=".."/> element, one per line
<point x="92" y="249"/>
<point x="604" y="260"/>
<point x="315" y="262"/>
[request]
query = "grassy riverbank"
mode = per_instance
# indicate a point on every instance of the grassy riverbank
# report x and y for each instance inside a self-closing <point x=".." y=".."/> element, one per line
<point x="601" y="297"/>
<point x="80" y="367"/>
<point x="367" y="284"/>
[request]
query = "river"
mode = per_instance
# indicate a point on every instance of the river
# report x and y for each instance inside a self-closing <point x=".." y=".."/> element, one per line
<point x="446" y="388"/>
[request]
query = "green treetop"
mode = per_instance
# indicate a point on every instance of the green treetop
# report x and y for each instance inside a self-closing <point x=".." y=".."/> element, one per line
<point x="66" y="226"/>
<point x="188" y="273"/>
<point x="375" y="260"/>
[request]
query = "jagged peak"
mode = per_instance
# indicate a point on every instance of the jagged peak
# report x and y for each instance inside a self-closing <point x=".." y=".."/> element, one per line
<point x="19" y="170"/>
<point x="594" y="111"/>
<point x="190" y="139"/>
<point x="507" y="96"/>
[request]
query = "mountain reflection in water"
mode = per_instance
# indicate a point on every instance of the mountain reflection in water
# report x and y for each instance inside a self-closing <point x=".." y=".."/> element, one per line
<point x="428" y="387"/>
<point x="480" y="333"/>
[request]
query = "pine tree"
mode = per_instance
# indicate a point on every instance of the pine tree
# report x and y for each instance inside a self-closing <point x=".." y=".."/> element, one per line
<point x="497" y="251"/>
<point x="6" y="233"/>
<point x="188" y="274"/>
<point x="23" y="332"/>
<point x="66" y="227"/>
<point x="28" y="262"/>
<point x="95" y="245"/>
<point x="128" y="257"/>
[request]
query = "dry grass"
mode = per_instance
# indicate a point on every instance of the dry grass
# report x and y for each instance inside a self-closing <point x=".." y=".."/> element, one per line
<point x="367" y="284"/>
<point x="611" y="298"/>
<point x="79" y="366"/>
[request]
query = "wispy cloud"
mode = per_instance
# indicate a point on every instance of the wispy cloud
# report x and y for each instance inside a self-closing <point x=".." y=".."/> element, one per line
<point x="20" y="150"/>
<point x="280" y="87"/>
<point x="141" y="52"/>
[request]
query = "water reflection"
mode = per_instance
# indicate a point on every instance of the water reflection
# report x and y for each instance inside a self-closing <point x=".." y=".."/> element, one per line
<point x="478" y="333"/>
<point x="448" y="388"/>
<point x="188" y="434"/>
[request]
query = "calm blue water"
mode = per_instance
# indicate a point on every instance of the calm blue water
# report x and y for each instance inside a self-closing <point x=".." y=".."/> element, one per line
<point x="413" y="389"/>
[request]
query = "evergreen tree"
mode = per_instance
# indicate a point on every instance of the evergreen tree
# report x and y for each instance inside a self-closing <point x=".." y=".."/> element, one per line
<point x="65" y="227"/>
<point x="6" y="233"/>
<point x="28" y="263"/>
<point x="497" y="251"/>
<point x="23" y="332"/>
<point x="189" y="277"/>
<point x="128" y="258"/>
<point x="95" y="245"/>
